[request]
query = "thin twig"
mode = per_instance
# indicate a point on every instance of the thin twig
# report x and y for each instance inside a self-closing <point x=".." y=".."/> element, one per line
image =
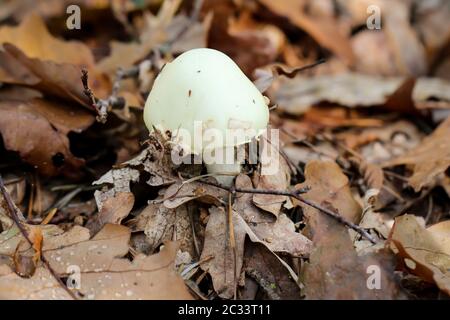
<point x="101" y="106"/>
<point x="13" y="214"/>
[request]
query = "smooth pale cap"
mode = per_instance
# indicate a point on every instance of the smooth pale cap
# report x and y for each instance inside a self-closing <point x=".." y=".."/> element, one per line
<point x="206" y="85"/>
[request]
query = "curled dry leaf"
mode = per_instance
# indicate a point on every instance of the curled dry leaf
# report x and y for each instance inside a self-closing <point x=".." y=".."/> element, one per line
<point x="426" y="251"/>
<point x="33" y="57"/>
<point x="102" y="270"/>
<point x="278" y="233"/>
<point x="273" y="175"/>
<point x="113" y="210"/>
<point x="25" y="257"/>
<point x="428" y="160"/>
<point x="155" y="160"/>
<point x="180" y="193"/>
<point x="38" y="129"/>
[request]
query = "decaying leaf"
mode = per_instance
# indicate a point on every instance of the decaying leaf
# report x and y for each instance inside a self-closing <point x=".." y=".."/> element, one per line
<point x="226" y="265"/>
<point x="274" y="234"/>
<point x="274" y="175"/>
<point x="33" y="38"/>
<point x="429" y="159"/>
<point x="335" y="271"/>
<point x="154" y="160"/>
<point x="328" y="186"/>
<point x="180" y="32"/>
<point x="38" y="130"/>
<point x="161" y="224"/>
<point x="278" y="233"/>
<point x="113" y="210"/>
<point x="269" y="273"/>
<point x="323" y="31"/>
<point x="297" y="95"/>
<point x="425" y="251"/>
<point x="101" y="270"/>
<point x="180" y="193"/>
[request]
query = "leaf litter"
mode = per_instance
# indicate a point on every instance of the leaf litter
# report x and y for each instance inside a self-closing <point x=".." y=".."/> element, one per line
<point x="364" y="136"/>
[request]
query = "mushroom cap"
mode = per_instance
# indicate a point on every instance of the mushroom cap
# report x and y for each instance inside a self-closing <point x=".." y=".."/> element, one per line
<point x="206" y="86"/>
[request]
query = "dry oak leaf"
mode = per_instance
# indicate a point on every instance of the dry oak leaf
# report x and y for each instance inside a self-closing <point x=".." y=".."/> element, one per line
<point x="277" y="232"/>
<point x="297" y="95"/>
<point x="274" y="234"/>
<point x="113" y="210"/>
<point x="180" y="193"/>
<point x="60" y="80"/>
<point x="429" y="160"/>
<point x="328" y="186"/>
<point x="33" y="38"/>
<point x="261" y="265"/>
<point x="426" y="251"/>
<point x="154" y="159"/>
<point x="335" y="271"/>
<point x="38" y="129"/>
<point x="225" y="267"/>
<point x="324" y="31"/>
<point x="104" y="273"/>
<point x="33" y="57"/>
<point x="180" y="32"/>
<point x="273" y="175"/>
<point x="161" y="224"/>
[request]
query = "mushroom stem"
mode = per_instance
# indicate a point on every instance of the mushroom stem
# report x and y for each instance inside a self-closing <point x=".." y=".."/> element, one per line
<point x="223" y="164"/>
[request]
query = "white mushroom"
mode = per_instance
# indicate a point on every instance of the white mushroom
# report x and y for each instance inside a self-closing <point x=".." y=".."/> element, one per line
<point x="202" y="96"/>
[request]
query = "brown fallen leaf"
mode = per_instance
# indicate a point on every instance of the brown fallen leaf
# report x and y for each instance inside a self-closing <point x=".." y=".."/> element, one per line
<point x="274" y="235"/>
<point x="277" y="232"/>
<point x="161" y="224"/>
<point x="34" y="57"/>
<point x="324" y="31"/>
<point x="114" y="210"/>
<point x="33" y="38"/>
<point x="98" y="267"/>
<point x="180" y="193"/>
<point x="429" y="159"/>
<point x="278" y="179"/>
<point x="334" y="270"/>
<point x="328" y="186"/>
<point x="179" y="32"/>
<point x="38" y="130"/>
<point x="60" y="80"/>
<point x="297" y="95"/>
<point x="226" y="265"/>
<point x="425" y="251"/>
<point x="155" y="160"/>
<point x="267" y="271"/>
<point x="249" y="43"/>
<point x="402" y="35"/>
<point x="25" y="257"/>
<point x="432" y="26"/>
